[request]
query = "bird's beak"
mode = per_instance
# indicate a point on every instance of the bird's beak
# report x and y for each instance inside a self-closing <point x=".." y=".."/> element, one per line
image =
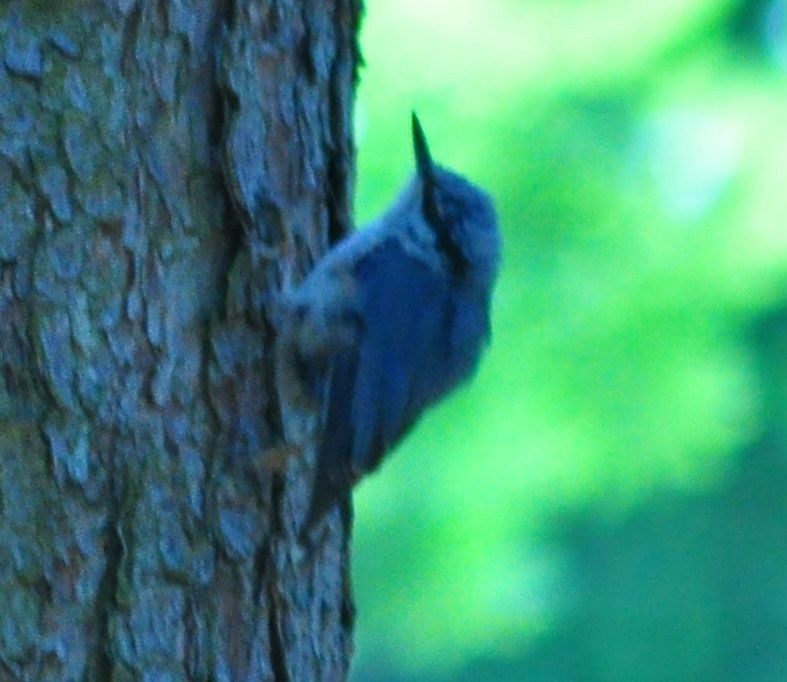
<point x="426" y="172"/>
<point x="423" y="159"/>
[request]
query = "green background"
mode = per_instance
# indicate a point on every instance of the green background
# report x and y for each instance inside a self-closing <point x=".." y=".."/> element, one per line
<point x="607" y="499"/>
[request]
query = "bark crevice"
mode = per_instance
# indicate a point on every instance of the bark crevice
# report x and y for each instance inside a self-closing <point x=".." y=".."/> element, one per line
<point x="277" y="646"/>
<point x="106" y="598"/>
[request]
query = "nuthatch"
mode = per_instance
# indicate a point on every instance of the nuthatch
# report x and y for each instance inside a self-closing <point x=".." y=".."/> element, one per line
<point x="398" y="315"/>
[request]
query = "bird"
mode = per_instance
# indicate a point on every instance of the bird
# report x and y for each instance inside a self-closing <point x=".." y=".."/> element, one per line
<point x="395" y="316"/>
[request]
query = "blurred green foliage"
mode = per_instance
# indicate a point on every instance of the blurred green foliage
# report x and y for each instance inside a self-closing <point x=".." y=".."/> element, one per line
<point x="608" y="499"/>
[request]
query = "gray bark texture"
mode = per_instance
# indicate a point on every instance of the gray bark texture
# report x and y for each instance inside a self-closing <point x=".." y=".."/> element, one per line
<point x="166" y="168"/>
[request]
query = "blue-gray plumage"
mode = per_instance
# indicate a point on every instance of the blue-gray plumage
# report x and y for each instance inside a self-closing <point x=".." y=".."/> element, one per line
<point x="399" y="313"/>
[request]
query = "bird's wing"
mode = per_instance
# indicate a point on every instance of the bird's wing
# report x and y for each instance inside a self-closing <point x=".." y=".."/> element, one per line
<point x="379" y="387"/>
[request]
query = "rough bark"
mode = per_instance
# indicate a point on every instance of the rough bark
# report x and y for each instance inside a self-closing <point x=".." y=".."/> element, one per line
<point x="165" y="168"/>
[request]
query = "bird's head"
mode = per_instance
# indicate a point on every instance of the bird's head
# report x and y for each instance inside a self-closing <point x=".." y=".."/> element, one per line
<point x="459" y="213"/>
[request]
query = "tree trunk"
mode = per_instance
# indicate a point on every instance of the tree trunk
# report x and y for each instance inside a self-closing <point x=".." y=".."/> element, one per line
<point x="165" y="169"/>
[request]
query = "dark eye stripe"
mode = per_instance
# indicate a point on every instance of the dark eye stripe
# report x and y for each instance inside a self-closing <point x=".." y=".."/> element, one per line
<point x="448" y="216"/>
